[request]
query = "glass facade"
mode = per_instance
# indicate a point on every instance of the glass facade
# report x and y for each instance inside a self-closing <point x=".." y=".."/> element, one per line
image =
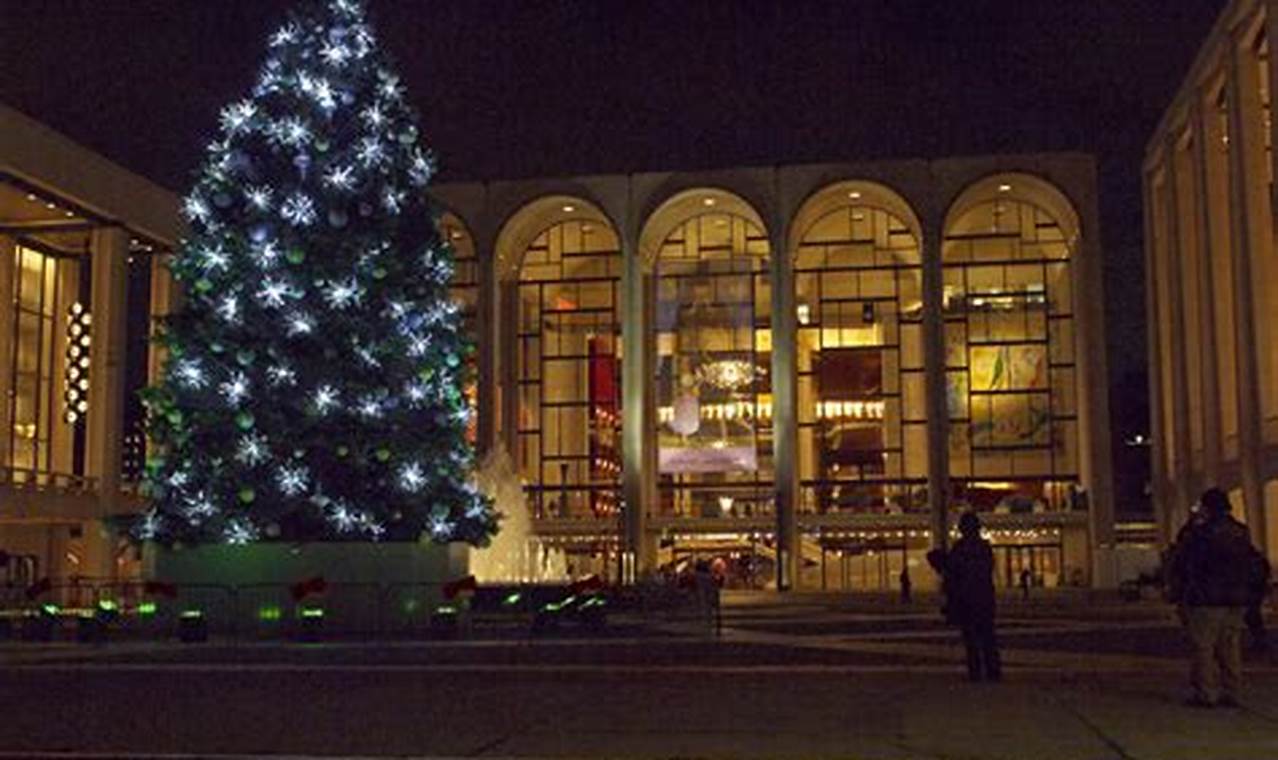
<point x="1009" y="355"/>
<point x="569" y="371"/>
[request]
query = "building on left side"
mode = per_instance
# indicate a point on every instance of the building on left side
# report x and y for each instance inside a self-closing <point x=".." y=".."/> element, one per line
<point x="81" y="245"/>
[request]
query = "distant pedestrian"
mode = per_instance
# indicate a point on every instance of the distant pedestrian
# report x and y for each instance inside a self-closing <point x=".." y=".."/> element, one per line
<point x="906" y="586"/>
<point x="706" y="589"/>
<point x="967" y="572"/>
<point x="1213" y="570"/>
<point x="1026" y="578"/>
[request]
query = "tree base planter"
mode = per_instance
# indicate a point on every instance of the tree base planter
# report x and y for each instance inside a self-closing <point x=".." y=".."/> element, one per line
<point x="271" y="590"/>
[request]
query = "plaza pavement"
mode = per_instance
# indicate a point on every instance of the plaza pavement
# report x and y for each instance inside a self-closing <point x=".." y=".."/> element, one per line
<point x="805" y="677"/>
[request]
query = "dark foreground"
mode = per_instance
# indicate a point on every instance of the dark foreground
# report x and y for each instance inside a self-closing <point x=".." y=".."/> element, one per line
<point x="788" y="679"/>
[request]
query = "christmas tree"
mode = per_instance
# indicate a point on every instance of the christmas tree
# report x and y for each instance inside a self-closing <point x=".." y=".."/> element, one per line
<point x="313" y="388"/>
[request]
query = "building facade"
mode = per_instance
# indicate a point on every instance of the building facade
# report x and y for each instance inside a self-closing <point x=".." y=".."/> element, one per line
<point x="79" y="241"/>
<point x="1211" y="273"/>
<point x="803" y="372"/>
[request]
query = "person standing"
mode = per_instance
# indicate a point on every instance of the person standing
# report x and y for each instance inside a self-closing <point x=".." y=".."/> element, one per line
<point x="1212" y="568"/>
<point x="1026" y="578"/>
<point x="906" y="585"/>
<point x="967" y="572"/>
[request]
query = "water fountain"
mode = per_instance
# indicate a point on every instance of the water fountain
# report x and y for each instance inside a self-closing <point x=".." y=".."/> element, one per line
<point x="515" y="554"/>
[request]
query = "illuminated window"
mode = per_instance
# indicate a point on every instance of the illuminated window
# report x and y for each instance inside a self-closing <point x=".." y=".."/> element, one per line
<point x="37" y="365"/>
<point x="569" y="370"/>
<point x="861" y="392"/>
<point x="713" y="369"/>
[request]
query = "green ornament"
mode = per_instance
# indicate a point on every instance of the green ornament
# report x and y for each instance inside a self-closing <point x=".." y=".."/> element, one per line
<point x="379" y="273"/>
<point x="244" y="357"/>
<point x="174" y="417"/>
<point x="342" y="451"/>
<point x="295" y="256"/>
<point x="217" y="348"/>
<point x="244" y="420"/>
<point x="247" y="495"/>
<point x="203" y="285"/>
<point x="383" y="454"/>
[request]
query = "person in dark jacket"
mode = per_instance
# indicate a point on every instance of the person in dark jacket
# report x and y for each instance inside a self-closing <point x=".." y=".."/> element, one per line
<point x="1212" y="568"/>
<point x="967" y="572"/>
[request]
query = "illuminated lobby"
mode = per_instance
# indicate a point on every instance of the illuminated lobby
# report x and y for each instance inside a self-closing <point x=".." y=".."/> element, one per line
<point x="830" y="363"/>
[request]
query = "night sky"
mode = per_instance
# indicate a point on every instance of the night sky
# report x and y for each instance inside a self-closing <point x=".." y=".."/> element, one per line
<point x="511" y="89"/>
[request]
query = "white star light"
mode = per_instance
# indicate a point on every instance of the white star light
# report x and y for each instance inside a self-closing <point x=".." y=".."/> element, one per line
<point x="340" y="177"/>
<point x="325" y="399"/>
<point x="298" y="210"/>
<point x="274" y="293"/>
<point x="418" y="345"/>
<point x="367" y="357"/>
<point x="374" y="529"/>
<point x="292" y="132"/>
<point x="393" y="200"/>
<point x="213" y="258"/>
<point x="416" y="392"/>
<point x="335" y="54"/>
<point x="251" y="450"/>
<point x="195" y="208"/>
<point x="259" y="197"/>
<point x="235" y="389"/>
<point x="345" y="7"/>
<point x="200" y="505"/>
<point x="422" y="167"/>
<point x="370" y="152"/>
<point x="281" y="375"/>
<point x="411" y="477"/>
<point x="373" y="116"/>
<point x="229" y="308"/>
<point x="323" y="94"/>
<point x="235" y="118"/>
<point x="370" y="407"/>
<point x="292" y="480"/>
<point x="342" y="517"/>
<point x="342" y="294"/>
<point x="268" y="253"/>
<point x="440" y="528"/>
<point x="149" y="528"/>
<point x="286" y="35"/>
<point x="190" y="372"/>
<point x="179" y="478"/>
<point x="300" y="324"/>
<point x="239" y="532"/>
<point x="390" y="87"/>
<point x="364" y="40"/>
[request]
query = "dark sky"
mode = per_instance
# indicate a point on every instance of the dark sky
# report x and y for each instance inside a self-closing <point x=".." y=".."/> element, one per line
<point x="511" y="88"/>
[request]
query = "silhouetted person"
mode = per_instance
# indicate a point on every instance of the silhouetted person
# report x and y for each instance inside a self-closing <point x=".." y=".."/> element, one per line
<point x="1026" y="578"/>
<point x="967" y="572"/>
<point x="906" y="586"/>
<point x="1213" y="568"/>
<point x="1258" y="589"/>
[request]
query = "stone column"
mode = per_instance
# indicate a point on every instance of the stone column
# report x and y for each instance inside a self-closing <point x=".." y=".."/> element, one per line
<point x="62" y="433"/>
<point x="1247" y="203"/>
<point x="1181" y="493"/>
<point x="486" y="342"/>
<point x="7" y="252"/>
<point x="637" y="557"/>
<point x="1209" y="403"/>
<point x="165" y="300"/>
<point x="938" y="413"/>
<point x="109" y="249"/>
<point x="1158" y="449"/>
<point x="508" y="365"/>
<point x="785" y="429"/>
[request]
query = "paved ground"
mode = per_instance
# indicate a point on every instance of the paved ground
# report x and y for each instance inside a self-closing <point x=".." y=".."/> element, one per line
<point x="804" y="678"/>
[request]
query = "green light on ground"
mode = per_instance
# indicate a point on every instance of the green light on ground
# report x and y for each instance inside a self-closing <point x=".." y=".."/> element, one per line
<point x="513" y="599"/>
<point x="445" y="609"/>
<point x="108" y="605"/>
<point x="411" y="605"/>
<point x="312" y="613"/>
<point x="146" y="608"/>
<point x="51" y="609"/>
<point x="192" y="614"/>
<point x="269" y="613"/>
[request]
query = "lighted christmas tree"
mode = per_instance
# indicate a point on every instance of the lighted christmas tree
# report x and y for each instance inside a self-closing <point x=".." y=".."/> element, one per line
<point x="313" y="389"/>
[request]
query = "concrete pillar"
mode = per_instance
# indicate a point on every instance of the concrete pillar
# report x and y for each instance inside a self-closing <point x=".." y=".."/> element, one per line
<point x="508" y="364"/>
<point x="109" y="249"/>
<point x="61" y="433"/>
<point x="166" y="299"/>
<point x="938" y="413"/>
<point x="7" y="253"/>
<point x="486" y="343"/>
<point x="1181" y="492"/>
<point x="1205" y="279"/>
<point x="638" y="554"/>
<point x="1092" y="377"/>
<point x="1158" y="453"/>
<point x="785" y="414"/>
<point x="1247" y="201"/>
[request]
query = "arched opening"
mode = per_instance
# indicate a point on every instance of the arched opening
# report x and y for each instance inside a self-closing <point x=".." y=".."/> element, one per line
<point x="861" y="393"/>
<point x="1010" y="362"/>
<point x="560" y="260"/>
<point x="711" y="344"/>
